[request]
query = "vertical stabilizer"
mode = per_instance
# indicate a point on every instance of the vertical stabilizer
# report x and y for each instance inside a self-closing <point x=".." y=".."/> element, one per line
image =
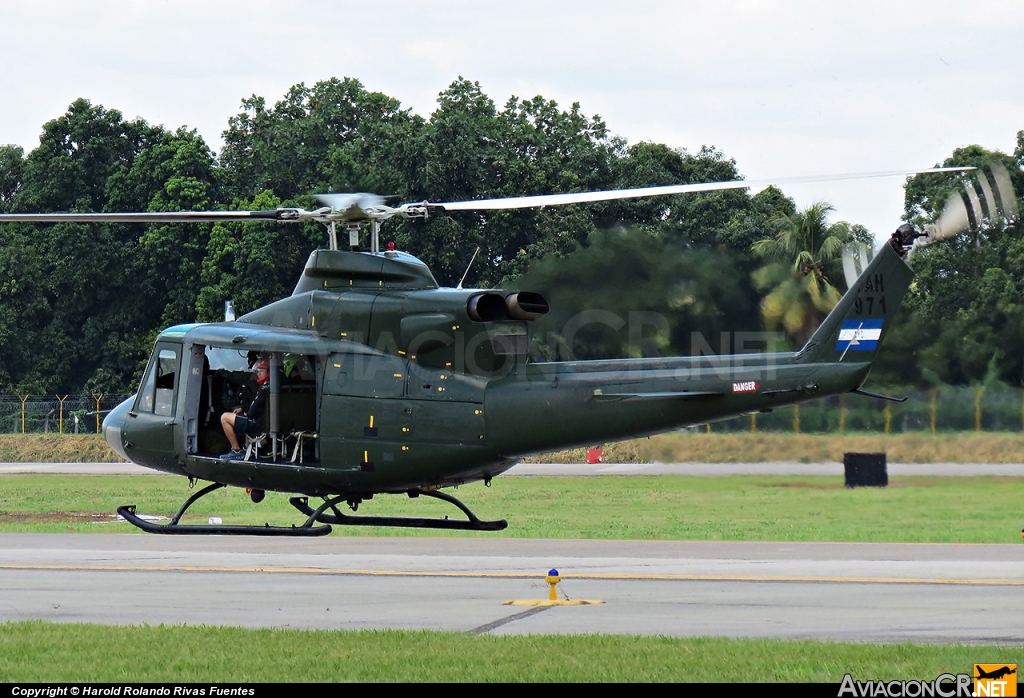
<point x="855" y="328"/>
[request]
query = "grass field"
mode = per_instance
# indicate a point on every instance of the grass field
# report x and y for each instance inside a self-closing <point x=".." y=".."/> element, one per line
<point x="781" y="508"/>
<point x="41" y="652"/>
<point x="676" y="447"/>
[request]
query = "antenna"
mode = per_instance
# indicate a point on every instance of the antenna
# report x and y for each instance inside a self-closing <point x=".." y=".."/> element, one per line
<point x="468" y="267"/>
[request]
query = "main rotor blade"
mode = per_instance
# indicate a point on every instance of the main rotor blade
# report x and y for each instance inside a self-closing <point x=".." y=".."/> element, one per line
<point x="617" y="194"/>
<point x="361" y="207"/>
<point x="281" y="214"/>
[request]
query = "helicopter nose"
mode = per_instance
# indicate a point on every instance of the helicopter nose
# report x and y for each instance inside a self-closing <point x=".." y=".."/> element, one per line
<point x="112" y="425"/>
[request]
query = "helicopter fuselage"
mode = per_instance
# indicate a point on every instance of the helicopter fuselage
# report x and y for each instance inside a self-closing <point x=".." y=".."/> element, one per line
<point x="396" y="385"/>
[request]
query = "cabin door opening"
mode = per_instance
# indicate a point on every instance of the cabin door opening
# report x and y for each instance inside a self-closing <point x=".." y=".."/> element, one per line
<point x="222" y="380"/>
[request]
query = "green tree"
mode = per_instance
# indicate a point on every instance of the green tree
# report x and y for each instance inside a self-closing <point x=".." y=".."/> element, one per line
<point x="689" y="218"/>
<point x="627" y="293"/>
<point x="11" y="162"/>
<point x="802" y="263"/>
<point x="77" y="153"/>
<point x="334" y="136"/>
<point x="176" y="172"/>
<point x="80" y="302"/>
<point x="76" y="303"/>
<point x="476" y="151"/>
<point x="251" y="263"/>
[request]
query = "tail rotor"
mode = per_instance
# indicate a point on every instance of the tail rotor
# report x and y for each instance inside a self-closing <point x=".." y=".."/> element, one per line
<point x="986" y="198"/>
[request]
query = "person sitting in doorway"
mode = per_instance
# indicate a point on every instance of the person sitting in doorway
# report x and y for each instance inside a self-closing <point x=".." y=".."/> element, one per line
<point x="240" y="423"/>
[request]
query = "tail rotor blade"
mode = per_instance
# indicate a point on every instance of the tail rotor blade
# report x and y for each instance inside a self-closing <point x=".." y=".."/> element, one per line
<point x="1005" y="189"/>
<point x="953" y="220"/>
<point x="866" y="253"/>
<point x="990" y="199"/>
<point x="849" y="269"/>
<point x="974" y="212"/>
<point x="855" y="260"/>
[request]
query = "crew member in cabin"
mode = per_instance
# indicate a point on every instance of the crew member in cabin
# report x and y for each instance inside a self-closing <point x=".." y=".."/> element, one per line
<point x="240" y="423"/>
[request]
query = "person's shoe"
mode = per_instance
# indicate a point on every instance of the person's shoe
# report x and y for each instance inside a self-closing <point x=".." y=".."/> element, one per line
<point x="233" y="455"/>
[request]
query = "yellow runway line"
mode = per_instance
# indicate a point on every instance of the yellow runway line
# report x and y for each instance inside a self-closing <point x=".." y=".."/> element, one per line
<point x="517" y="575"/>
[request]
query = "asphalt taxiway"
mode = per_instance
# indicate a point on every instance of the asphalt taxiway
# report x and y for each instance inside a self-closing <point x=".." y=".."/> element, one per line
<point x="840" y="591"/>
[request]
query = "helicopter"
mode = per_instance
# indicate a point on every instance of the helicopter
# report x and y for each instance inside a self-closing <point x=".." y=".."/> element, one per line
<point x="382" y="382"/>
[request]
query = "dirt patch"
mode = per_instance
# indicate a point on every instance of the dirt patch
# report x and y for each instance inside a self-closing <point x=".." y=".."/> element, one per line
<point x="38" y="517"/>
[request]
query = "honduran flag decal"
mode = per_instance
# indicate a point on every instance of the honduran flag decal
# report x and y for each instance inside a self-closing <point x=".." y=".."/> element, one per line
<point x="859" y="335"/>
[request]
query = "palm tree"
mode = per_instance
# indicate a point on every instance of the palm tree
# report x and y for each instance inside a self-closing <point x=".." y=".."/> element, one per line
<point x="799" y="260"/>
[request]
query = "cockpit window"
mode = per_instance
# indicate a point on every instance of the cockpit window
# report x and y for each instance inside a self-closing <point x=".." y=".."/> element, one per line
<point x="227" y="359"/>
<point x="157" y="392"/>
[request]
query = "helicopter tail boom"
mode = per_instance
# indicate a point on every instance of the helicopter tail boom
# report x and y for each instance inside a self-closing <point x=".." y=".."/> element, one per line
<point x="559" y="405"/>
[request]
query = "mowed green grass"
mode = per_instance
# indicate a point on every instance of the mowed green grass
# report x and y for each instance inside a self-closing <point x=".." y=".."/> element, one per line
<point x="36" y="651"/>
<point x="777" y="508"/>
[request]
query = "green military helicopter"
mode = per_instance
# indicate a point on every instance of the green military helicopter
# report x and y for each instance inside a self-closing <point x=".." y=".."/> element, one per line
<point x="378" y="381"/>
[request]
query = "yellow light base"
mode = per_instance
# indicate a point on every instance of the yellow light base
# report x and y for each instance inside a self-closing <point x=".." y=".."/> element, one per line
<point x="549" y="602"/>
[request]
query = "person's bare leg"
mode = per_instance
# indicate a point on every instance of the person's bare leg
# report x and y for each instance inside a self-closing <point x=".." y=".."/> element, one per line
<point x="227" y="421"/>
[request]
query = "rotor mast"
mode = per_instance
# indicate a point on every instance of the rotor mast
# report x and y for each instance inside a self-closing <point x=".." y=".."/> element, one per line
<point x="353" y="235"/>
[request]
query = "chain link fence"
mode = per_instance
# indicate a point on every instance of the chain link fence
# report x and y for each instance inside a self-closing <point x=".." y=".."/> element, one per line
<point x="943" y="409"/>
<point x="67" y="414"/>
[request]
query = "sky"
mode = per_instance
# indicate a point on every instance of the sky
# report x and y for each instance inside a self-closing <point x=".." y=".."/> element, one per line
<point x="785" y="88"/>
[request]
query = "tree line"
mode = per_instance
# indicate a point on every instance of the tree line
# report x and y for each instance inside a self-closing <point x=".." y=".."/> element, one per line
<point x="80" y="305"/>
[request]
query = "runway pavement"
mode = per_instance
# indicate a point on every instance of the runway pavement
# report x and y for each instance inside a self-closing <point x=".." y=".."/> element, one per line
<point x="579" y="469"/>
<point x="848" y="591"/>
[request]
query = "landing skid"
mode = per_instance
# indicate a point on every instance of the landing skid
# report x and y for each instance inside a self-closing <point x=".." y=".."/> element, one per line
<point x="172" y="528"/>
<point x="339" y="519"/>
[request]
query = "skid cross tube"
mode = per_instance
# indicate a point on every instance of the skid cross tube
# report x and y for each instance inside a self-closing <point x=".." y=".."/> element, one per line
<point x="339" y="519"/>
<point x="173" y="528"/>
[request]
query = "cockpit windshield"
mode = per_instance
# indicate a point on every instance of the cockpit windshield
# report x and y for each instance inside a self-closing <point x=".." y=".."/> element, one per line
<point x="227" y="359"/>
<point x="157" y="392"/>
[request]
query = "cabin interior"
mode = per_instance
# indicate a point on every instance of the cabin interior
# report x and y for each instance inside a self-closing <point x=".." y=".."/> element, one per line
<point x="228" y="383"/>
